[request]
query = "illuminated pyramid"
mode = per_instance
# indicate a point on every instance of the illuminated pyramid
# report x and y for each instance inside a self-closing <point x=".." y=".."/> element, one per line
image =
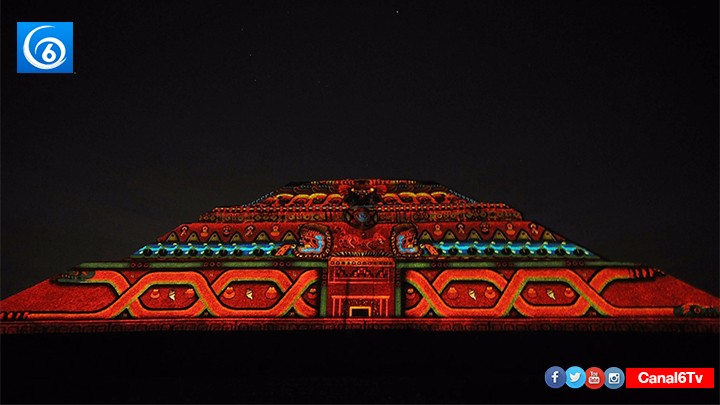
<point x="361" y="254"/>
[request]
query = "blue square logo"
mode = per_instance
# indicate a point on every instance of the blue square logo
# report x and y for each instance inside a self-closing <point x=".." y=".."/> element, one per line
<point x="45" y="47"/>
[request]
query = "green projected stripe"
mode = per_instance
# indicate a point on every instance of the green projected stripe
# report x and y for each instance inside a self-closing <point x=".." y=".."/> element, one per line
<point x="104" y="265"/>
<point x="288" y="263"/>
<point x="323" y="264"/>
<point x="514" y="264"/>
<point x="611" y="264"/>
<point x="323" y="301"/>
<point x="198" y="265"/>
<point x="192" y="265"/>
<point x="398" y="302"/>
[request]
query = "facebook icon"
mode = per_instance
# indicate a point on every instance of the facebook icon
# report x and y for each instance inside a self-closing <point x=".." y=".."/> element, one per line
<point x="555" y="377"/>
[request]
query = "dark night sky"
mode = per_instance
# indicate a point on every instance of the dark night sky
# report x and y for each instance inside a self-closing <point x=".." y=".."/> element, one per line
<point x="598" y="119"/>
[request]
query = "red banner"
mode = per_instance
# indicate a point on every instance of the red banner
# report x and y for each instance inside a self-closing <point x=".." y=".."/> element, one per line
<point x="670" y="378"/>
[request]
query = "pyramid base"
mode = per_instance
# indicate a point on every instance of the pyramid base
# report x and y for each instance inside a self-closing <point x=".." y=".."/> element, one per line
<point x="701" y="325"/>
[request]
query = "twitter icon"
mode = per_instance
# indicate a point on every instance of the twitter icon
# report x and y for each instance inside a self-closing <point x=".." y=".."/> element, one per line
<point x="575" y="377"/>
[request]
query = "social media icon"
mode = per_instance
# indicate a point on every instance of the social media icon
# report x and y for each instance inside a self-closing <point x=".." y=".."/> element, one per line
<point x="575" y="377"/>
<point x="45" y="47"/>
<point x="595" y="378"/>
<point x="614" y="378"/>
<point x="555" y="377"/>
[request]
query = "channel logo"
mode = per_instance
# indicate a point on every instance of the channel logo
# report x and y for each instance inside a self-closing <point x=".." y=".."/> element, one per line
<point x="555" y="377"/>
<point x="45" y="47"/>
<point x="670" y="378"/>
<point x="575" y="377"/>
<point x="614" y="378"/>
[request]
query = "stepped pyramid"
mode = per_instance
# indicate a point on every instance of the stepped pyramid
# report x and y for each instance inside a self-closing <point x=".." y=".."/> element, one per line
<point x="361" y="254"/>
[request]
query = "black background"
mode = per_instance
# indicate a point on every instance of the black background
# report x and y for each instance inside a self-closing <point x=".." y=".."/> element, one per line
<point x="596" y="118"/>
<point x="341" y="367"/>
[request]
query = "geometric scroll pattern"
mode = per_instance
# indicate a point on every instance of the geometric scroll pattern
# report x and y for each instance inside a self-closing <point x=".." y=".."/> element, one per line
<point x="207" y="295"/>
<point x="589" y="294"/>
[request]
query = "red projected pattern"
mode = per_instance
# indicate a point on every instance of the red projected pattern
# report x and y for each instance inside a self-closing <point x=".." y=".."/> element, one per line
<point x="207" y="295"/>
<point x="511" y="298"/>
